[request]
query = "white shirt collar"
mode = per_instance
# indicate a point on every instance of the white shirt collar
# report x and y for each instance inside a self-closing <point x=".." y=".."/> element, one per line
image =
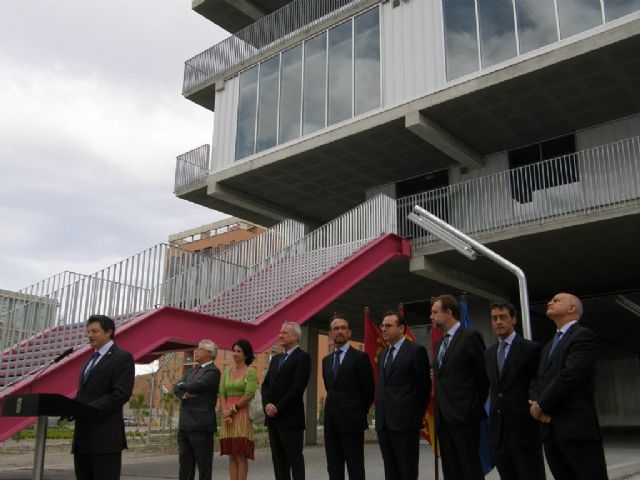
<point x="567" y="326"/>
<point x="452" y="331"/>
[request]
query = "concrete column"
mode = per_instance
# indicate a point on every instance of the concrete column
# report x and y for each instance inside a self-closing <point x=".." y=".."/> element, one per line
<point x="309" y="343"/>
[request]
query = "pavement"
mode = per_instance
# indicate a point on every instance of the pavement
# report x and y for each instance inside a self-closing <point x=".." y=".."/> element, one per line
<point x="622" y="450"/>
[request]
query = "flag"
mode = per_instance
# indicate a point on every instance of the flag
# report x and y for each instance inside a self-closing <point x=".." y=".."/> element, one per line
<point x="436" y="335"/>
<point x="485" y="449"/>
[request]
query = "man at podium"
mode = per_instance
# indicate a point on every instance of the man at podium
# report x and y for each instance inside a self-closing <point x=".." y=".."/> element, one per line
<point x="106" y="383"/>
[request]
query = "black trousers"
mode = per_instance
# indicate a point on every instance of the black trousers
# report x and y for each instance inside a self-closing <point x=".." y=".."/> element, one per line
<point x="459" y="451"/>
<point x="400" y="453"/>
<point x="97" y="466"/>
<point x="195" y="448"/>
<point x="575" y="459"/>
<point x="286" y="452"/>
<point x="515" y="461"/>
<point x="341" y="448"/>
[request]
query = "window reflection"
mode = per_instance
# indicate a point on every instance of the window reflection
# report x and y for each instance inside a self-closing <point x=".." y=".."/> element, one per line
<point x="617" y="8"/>
<point x="246" y="124"/>
<point x="315" y="67"/>
<point x="497" y="31"/>
<point x="340" y="62"/>
<point x="578" y="15"/>
<point x="268" y="104"/>
<point x="290" y="94"/>
<point x="367" y="61"/>
<point x="461" y="43"/>
<point x="536" y="24"/>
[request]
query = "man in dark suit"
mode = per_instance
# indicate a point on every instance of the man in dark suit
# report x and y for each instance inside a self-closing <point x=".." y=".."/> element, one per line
<point x="348" y="380"/>
<point x="198" y="392"/>
<point x="106" y="383"/>
<point x="282" y="391"/>
<point x="402" y="396"/>
<point x="564" y="395"/>
<point x="512" y="363"/>
<point x="461" y="390"/>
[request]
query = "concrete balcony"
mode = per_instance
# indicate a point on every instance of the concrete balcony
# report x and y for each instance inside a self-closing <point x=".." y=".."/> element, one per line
<point x="233" y="16"/>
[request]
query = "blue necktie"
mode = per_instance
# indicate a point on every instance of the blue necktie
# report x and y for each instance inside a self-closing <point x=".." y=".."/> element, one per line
<point x="443" y="349"/>
<point x="388" y="361"/>
<point x="92" y="363"/>
<point x="554" y="344"/>
<point x="336" y="363"/>
<point x="282" y="360"/>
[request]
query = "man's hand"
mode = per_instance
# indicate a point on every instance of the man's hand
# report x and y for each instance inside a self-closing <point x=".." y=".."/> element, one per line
<point x="187" y="396"/>
<point x="537" y="413"/>
<point x="271" y="410"/>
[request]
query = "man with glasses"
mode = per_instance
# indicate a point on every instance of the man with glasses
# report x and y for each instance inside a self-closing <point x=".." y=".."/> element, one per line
<point x="198" y="392"/>
<point x="402" y="396"/>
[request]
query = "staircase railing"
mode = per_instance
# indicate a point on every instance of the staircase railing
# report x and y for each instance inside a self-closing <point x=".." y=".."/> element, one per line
<point x="160" y="275"/>
<point x="281" y="275"/>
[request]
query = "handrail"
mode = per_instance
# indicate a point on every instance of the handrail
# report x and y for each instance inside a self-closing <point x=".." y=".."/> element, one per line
<point x="192" y="166"/>
<point x="267" y="32"/>
<point x="588" y="181"/>
<point x="283" y="274"/>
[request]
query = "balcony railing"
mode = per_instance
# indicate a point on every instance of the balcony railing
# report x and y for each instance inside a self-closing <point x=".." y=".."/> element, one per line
<point x="191" y="167"/>
<point x="274" y="29"/>
<point x="589" y="181"/>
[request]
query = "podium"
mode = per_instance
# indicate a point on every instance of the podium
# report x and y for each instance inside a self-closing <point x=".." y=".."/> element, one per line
<point x="43" y="405"/>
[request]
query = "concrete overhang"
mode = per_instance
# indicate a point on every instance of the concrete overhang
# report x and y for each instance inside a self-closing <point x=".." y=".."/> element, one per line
<point x="565" y="88"/>
<point x="233" y="15"/>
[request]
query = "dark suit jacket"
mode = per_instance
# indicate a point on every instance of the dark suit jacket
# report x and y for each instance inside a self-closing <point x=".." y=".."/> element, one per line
<point x="509" y="392"/>
<point x="107" y="388"/>
<point x="565" y="385"/>
<point x="462" y="384"/>
<point x="285" y="388"/>
<point x="350" y="395"/>
<point x="198" y="414"/>
<point x="403" y="396"/>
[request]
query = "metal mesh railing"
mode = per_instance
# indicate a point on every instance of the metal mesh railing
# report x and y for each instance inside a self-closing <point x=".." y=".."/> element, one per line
<point x="36" y="331"/>
<point x="191" y="167"/>
<point x="274" y="29"/>
<point x="278" y="277"/>
<point x="588" y="181"/>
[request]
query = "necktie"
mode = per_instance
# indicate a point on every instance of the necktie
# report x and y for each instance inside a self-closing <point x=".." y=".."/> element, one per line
<point x="554" y="344"/>
<point x="502" y="355"/>
<point x="336" y="362"/>
<point x="92" y="362"/>
<point x="282" y="360"/>
<point x="443" y="349"/>
<point x="388" y="361"/>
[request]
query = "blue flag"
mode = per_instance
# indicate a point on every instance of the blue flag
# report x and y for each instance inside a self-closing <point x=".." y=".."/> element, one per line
<point x="485" y="448"/>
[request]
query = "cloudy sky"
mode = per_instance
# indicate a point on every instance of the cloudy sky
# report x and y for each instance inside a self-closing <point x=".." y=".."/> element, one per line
<point x="91" y="120"/>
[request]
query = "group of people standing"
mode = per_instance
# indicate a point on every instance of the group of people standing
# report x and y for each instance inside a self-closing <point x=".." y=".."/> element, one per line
<point x="538" y="396"/>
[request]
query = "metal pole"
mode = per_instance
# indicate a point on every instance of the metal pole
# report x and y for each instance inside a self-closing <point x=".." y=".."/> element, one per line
<point x="38" y="454"/>
<point x="458" y="235"/>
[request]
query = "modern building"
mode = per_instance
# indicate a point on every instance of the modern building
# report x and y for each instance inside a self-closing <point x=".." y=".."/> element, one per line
<point x="516" y="121"/>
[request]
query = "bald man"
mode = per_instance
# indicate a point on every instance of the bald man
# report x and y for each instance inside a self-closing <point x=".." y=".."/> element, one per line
<point x="564" y="395"/>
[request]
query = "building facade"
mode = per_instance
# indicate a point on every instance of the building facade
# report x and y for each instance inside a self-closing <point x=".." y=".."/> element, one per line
<point x="516" y="121"/>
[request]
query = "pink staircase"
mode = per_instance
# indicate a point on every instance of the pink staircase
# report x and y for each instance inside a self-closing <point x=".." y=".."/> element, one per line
<point x="167" y="329"/>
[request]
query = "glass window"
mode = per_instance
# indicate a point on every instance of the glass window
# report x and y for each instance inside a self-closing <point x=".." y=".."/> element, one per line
<point x="315" y="85"/>
<point x="578" y="15"/>
<point x="617" y="8"/>
<point x="536" y="24"/>
<point x="497" y="31"/>
<point x="340" y="74"/>
<point x="367" y="61"/>
<point x="460" y="37"/>
<point x="290" y="94"/>
<point x="268" y="104"/>
<point x="246" y="125"/>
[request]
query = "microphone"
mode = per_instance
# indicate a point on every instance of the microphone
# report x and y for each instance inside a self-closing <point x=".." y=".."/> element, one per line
<point x="64" y="354"/>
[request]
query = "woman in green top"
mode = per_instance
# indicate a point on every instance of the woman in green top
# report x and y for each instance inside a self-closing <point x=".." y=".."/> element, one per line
<point x="237" y="388"/>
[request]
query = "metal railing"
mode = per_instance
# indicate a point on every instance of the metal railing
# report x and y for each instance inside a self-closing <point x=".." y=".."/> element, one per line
<point x="191" y="167"/>
<point x="588" y="181"/>
<point x="35" y="331"/>
<point x="269" y="31"/>
<point x="280" y="276"/>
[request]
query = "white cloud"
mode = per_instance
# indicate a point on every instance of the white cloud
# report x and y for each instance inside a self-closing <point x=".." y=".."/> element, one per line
<point x="91" y="119"/>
